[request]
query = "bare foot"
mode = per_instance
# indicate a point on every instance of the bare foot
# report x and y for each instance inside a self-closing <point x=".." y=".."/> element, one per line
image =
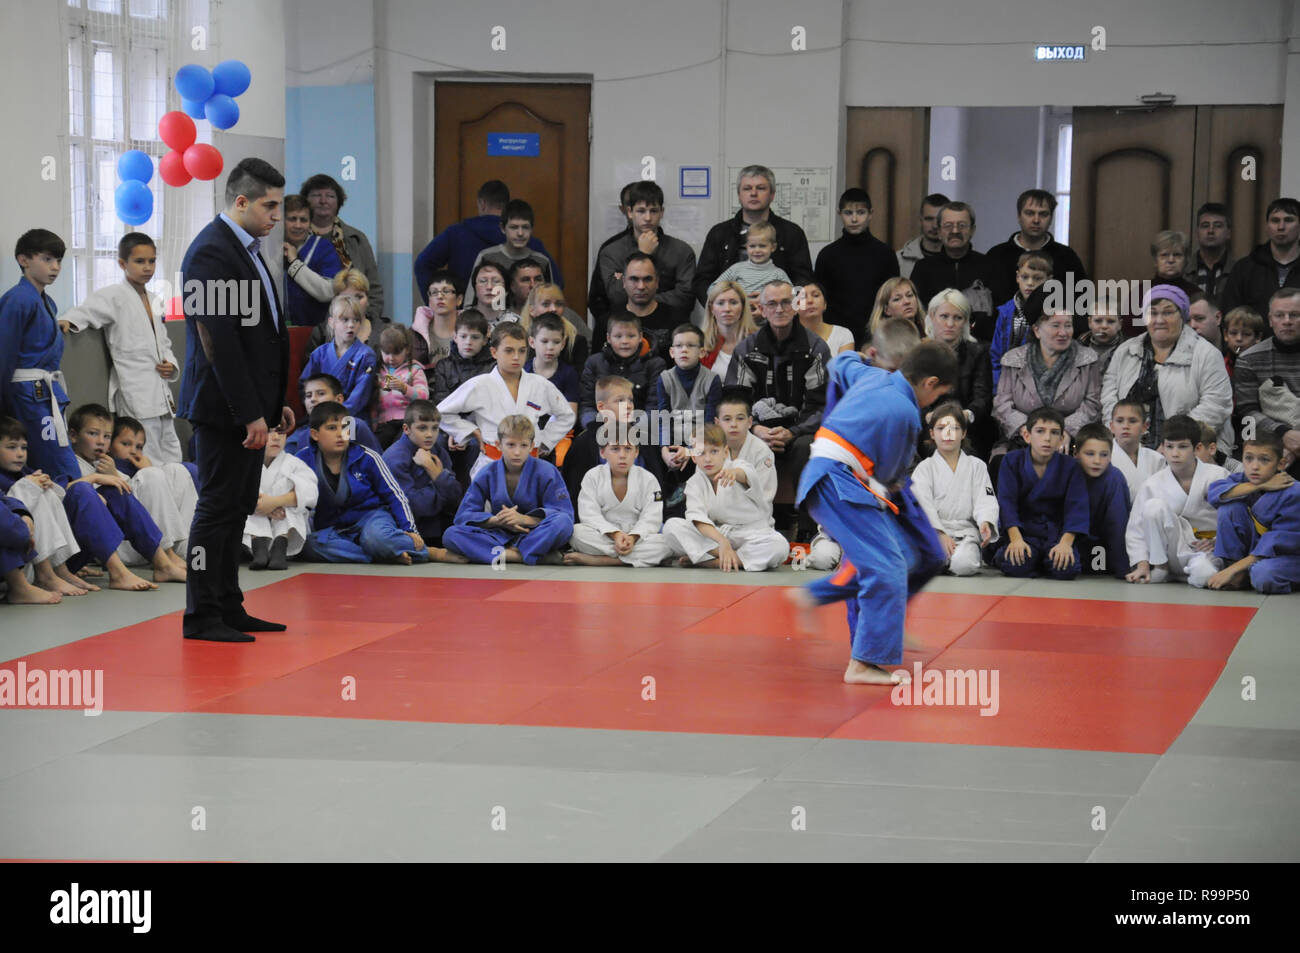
<point x="51" y="581"/>
<point x="126" y="580"/>
<point x="177" y="560"/>
<point x="67" y="575"/>
<point x="512" y="555"/>
<point x="862" y="673"/>
<point x="584" y="559"/>
<point x="23" y="593"/>
<point x="445" y="556"/>
<point x="685" y="562"/>
<point x="170" y="573"/>
<point x="91" y="571"/>
<point x="403" y="558"/>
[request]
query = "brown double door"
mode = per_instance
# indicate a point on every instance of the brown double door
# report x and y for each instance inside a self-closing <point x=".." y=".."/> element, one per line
<point x="888" y="151"/>
<point x="471" y="120"/>
<point x="1136" y="173"/>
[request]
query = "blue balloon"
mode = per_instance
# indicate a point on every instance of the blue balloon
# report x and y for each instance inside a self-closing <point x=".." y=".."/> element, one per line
<point x="194" y="83"/>
<point x="133" y="201"/>
<point x="135" y="165"/>
<point x="222" y="111"/>
<point x="192" y="109"/>
<point x="231" y="77"/>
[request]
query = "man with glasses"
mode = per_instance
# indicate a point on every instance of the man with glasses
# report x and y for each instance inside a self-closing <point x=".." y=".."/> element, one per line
<point x="1266" y="379"/>
<point x="960" y="266"/>
<point x="724" y="246"/>
<point x="784" y="368"/>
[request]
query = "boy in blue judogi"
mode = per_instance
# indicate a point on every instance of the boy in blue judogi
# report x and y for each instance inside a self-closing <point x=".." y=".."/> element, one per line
<point x="349" y="360"/>
<point x="423" y="470"/>
<point x="855" y="486"/>
<point x="361" y="514"/>
<point x="517" y="506"/>
<point x="318" y="389"/>
<point x="1108" y="502"/>
<point x="1043" y="497"/>
<point x="17" y="549"/>
<point x="31" y="349"/>
<point x="1259" y="523"/>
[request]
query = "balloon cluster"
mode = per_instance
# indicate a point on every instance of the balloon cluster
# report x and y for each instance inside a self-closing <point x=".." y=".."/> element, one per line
<point x="133" y="198"/>
<point x="204" y="95"/>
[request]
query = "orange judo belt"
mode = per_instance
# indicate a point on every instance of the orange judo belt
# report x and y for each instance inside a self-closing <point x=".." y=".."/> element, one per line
<point x="867" y="464"/>
<point x="492" y="452"/>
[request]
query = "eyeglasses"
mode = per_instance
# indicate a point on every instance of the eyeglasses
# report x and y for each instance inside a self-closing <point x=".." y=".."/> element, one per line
<point x="954" y="227"/>
<point x="782" y="305"/>
<point x="442" y="292"/>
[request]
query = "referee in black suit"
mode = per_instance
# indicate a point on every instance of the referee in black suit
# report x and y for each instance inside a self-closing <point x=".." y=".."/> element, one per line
<point x="233" y="387"/>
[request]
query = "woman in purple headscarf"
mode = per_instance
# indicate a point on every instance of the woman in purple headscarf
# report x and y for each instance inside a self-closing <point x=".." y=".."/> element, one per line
<point x="1170" y="369"/>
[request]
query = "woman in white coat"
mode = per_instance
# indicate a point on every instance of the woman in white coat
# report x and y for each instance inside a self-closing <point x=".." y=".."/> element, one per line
<point x="1170" y="369"/>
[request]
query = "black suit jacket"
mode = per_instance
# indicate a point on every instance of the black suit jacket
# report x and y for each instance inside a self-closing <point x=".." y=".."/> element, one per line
<point x="236" y="352"/>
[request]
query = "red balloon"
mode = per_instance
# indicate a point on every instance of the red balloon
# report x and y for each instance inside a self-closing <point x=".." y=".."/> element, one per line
<point x="203" y="161"/>
<point x="171" y="169"/>
<point x="177" y="130"/>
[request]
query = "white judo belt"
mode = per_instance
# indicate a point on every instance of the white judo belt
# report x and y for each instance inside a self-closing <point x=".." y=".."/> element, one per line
<point x="24" y="375"/>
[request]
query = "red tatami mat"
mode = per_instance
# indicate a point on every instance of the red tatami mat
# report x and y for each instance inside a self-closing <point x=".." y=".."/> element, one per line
<point x="730" y="659"/>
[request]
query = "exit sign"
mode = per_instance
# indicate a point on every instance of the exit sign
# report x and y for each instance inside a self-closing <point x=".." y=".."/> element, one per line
<point x="1045" y="54"/>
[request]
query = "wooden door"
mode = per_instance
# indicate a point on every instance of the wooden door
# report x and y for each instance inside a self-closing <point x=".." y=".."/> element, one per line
<point x="888" y="154"/>
<point x="554" y="181"/>
<point x="1136" y="173"/>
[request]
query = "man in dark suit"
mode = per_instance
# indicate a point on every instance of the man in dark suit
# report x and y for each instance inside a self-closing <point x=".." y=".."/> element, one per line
<point x="236" y="366"/>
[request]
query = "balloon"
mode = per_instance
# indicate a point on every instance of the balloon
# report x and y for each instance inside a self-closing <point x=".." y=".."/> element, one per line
<point x="133" y="201"/>
<point x="202" y="161"/>
<point x="222" y="111"/>
<point x="177" y="130"/>
<point x="135" y="165"/>
<point x="171" y="169"/>
<point x="192" y="109"/>
<point x="231" y="77"/>
<point x="194" y="83"/>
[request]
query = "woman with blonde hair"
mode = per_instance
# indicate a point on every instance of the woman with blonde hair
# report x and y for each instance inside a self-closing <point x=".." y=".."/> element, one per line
<point x="897" y="298"/>
<point x="549" y="299"/>
<point x="947" y="321"/>
<point x="727" y="322"/>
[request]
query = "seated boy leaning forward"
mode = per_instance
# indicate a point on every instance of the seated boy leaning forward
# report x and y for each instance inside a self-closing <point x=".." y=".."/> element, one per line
<point x="728" y="523"/>
<point x="1258" y="524"/>
<point x="517" y="508"/>
<point x="424" y="472"/>
<point x="1044" y="502"/>
<point x="1103" y="550"/>
<point x="891" y="343"/>
<point x="1172" y="525"/>
<point x="620" y="509"/>
<point x="362" y="515"/>
<point x="855" y="485"/>
<point x="278" y="527"/>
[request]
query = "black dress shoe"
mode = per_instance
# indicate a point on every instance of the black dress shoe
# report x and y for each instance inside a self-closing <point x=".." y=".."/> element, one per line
<point x="248" y="623"/>
<point x="219" y="632"/>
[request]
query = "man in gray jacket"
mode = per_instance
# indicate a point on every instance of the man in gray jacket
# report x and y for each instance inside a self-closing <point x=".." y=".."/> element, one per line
<point x="928" y="244"/>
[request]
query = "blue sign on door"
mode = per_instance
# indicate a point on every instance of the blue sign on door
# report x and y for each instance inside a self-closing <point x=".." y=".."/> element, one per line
<point x="514" y="143"/>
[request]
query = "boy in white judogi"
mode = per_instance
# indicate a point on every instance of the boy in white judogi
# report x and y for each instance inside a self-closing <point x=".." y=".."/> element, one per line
<point x="143" y="362"/>
<point x="1172" y="521"/>
<point x="281" y="522"/>
<point x="1128" y="422"/>
<point x="728" y="520"/>
<point x="477" y="407"/>
<point x="735" y="417"/>
<point x="956" y="493"/>
<point x="621" y="510"/>
<point x="166" y="490"/>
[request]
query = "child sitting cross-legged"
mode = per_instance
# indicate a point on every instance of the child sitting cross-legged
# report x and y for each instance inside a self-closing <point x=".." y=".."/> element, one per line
<point x="956" y="494"/>
<point x="279" y="526"/>
<point x="620" y="513"/>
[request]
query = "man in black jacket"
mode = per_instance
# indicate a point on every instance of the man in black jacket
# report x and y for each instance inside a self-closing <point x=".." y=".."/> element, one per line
<point x="725" y="243"/>
<point x="232" y="390"/>
<point x="960" y="267"/>
<point x="1272" y="265"/>
<point x="1035" y="209"/>
<point x="852" y="268"/>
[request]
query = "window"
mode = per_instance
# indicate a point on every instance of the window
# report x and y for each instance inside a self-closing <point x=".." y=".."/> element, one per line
<point x="1061" y="221"/>
<point x="120" y="66"/>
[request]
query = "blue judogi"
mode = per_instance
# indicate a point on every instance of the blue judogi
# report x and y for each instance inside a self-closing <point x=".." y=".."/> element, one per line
<point x="1266" y="525"/>
<point x="540" y="493"/>
<point x="354" y="368"/>
<point x="366" y="518"/>
<point x="30" y="340"/>
<point x="300" y="439"/>
<point x="890" y="549"/>
<point x="318" y="254"/>
<point x="16" y="549"/>
<point x="432" y="501"/>
<point x="1108" y="511"/>
<point x="1044" y="509"/>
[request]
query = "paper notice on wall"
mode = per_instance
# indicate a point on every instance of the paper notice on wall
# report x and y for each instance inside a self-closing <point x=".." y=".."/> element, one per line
<point x="685" y="220"/>
<point x="803" y="195"/>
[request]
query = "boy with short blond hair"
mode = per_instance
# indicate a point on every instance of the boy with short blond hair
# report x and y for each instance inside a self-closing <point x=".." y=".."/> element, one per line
<point x="620" y="514"/>
<point x="1172" y="520"/>
<point x="686" y="397"/>
<point x="1258" y="525"/>
<point x="758" y="269"/>
<point x="517" y="508"/>
<point x="893" y="341"/>
<point x="728" y="523"/>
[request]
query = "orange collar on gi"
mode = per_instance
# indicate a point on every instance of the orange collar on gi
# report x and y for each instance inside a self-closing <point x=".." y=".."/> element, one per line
<point x="868" y="465"/>
<point x="492" y="452"/>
